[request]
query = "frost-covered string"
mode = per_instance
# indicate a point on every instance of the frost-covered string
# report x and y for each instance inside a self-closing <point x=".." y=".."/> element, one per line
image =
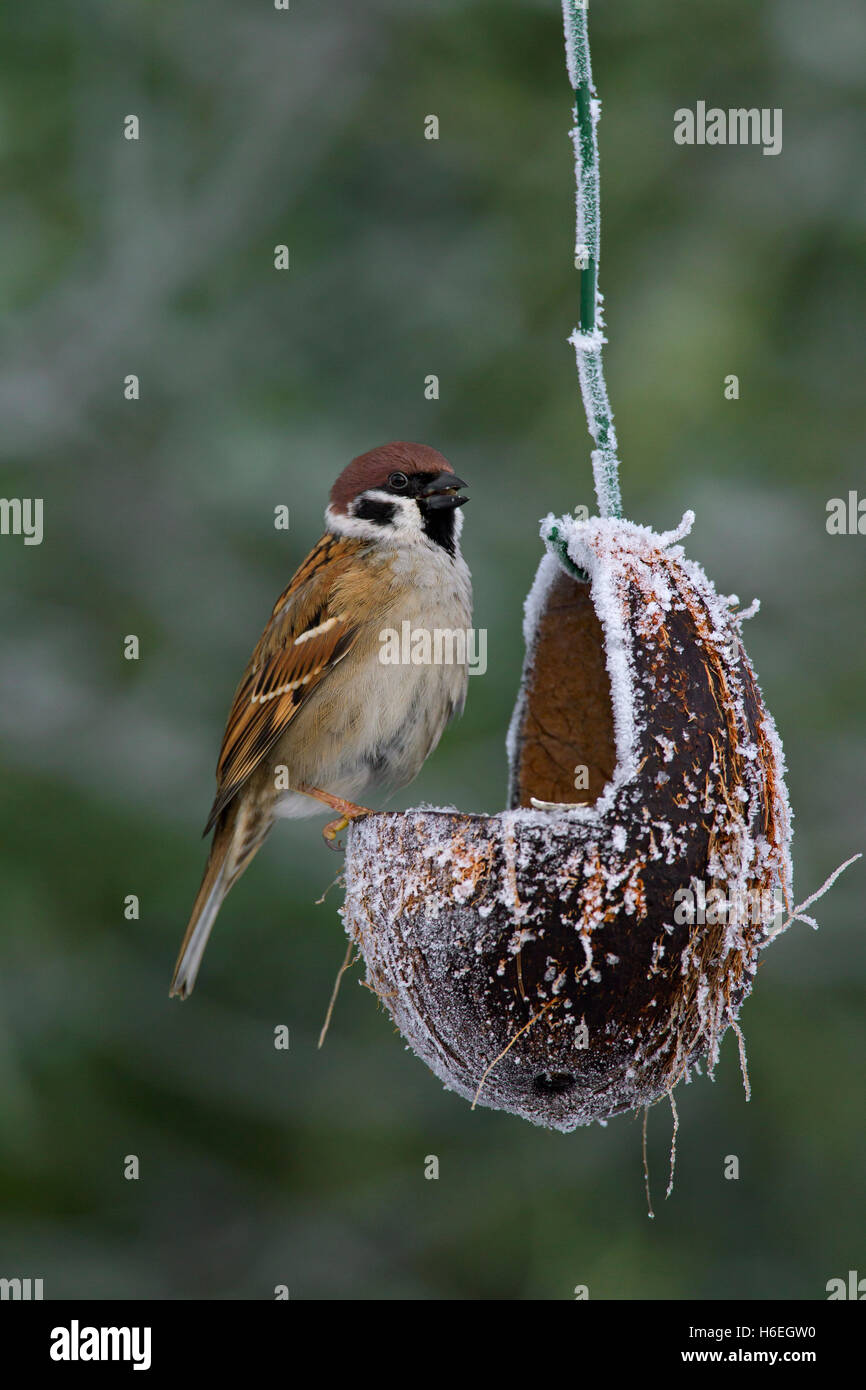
<point x="588" y="339"/>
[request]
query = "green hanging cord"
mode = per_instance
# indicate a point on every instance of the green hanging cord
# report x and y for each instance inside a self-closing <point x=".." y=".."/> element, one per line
<point x="589" y="338"/>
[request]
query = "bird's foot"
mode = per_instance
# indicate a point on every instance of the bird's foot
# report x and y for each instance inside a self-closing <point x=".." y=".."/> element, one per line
<point x="333" y="828"/>
<point x="348" y="812"/>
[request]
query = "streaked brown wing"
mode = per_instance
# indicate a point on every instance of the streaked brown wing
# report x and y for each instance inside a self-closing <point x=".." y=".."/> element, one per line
<point x="304" y="640"/>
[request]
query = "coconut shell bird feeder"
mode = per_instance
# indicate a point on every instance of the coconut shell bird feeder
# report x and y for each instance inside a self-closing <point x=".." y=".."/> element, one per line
<point x="538" y="960"/>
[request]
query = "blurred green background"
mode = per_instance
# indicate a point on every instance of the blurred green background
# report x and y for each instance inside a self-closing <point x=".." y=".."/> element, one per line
<point x="408" y="257"/>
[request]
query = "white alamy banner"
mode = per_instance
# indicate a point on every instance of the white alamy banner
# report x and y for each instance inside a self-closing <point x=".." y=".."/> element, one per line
<point x="77" y="1343"/>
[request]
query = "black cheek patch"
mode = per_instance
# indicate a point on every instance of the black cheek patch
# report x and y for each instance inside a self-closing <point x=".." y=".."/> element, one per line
<point x="368" y="509"/>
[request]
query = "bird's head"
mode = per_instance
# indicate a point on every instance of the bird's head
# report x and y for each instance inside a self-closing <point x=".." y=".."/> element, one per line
<point x="405" y="493"/>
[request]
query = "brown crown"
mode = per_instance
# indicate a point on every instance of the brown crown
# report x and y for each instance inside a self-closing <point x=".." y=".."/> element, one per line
<point x="374" y="468"/>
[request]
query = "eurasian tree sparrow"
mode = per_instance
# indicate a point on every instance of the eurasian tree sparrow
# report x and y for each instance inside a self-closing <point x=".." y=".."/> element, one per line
<point x="318" y="717"/>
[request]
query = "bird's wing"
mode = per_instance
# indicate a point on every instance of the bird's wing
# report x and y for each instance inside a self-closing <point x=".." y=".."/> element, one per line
<point x="304" y="640"/>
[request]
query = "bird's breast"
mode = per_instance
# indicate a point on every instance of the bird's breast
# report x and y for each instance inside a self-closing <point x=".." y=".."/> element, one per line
<point x="383" y="709"/>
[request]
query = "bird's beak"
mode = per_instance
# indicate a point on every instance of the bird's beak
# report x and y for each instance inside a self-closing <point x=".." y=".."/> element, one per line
<point x="442" y="491"/>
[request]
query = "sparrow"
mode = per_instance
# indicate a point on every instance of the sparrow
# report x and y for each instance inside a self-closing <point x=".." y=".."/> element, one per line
<point x="319" y="717"/>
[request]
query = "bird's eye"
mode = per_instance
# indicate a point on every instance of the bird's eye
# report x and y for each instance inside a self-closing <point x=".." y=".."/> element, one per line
<point x="398" y="481"/>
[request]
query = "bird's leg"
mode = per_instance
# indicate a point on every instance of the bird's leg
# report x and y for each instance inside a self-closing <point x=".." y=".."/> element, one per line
<point x="348" y="811"/>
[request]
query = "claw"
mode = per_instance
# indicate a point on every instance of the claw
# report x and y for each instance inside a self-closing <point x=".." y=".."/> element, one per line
<point x="332" y="830"/>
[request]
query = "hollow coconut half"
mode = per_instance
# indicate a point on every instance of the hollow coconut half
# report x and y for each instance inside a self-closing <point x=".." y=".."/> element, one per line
<point x="570" y="960"/>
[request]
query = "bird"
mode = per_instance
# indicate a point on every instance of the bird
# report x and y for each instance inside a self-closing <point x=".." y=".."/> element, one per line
<point x="320" y="717"/>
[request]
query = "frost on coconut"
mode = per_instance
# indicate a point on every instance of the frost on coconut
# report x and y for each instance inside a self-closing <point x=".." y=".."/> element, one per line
<point x="536" y="959"/>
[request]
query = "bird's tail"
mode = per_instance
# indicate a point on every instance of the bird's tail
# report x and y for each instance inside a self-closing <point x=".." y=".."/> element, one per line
<point x="238" y="833"/>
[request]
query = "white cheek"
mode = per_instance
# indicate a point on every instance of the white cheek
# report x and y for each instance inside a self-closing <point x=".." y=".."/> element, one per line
<point x="405" y="532"/>
<point x="343" y="525"/>
<point x="406" y="526"/>
<point x="353" y="527"/>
